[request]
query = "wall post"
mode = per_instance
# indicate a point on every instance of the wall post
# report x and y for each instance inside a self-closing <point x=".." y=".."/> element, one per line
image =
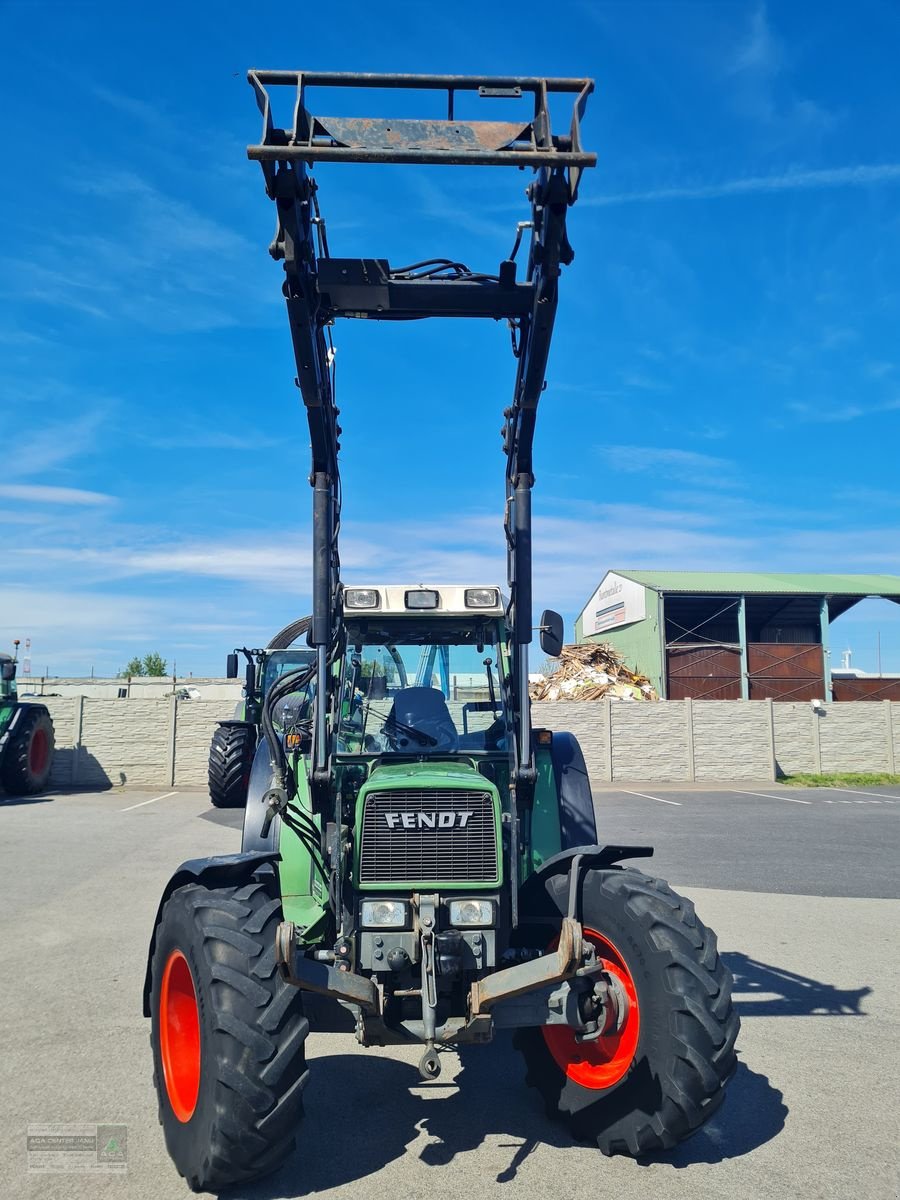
<point x="770" y="706"/>
<point x="173" y="729"/>
<point x="609" y="740"/>
<point x="889" y="734"/>
<point x="816" y="741"/>
<point x="77" y="729"/>
<point x="689" y="737"/>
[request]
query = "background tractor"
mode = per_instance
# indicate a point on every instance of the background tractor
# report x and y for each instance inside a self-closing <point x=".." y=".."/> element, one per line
<point x="26" y="737"/>
<point x="234" y="742"/>
<point x="432" y="866"/>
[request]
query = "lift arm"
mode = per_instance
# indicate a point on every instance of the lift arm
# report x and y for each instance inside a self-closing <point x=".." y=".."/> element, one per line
<point x="320" y="288"/>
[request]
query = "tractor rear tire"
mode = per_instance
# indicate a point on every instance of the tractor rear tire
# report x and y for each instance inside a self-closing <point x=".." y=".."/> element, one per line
<point x="28" y="757"/>
<point x="657" y="1079"/>
<point x="230" y="760"/>
<point x="228" y="1035"/>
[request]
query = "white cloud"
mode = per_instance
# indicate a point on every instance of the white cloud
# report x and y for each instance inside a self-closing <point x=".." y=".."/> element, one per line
<point x="687" y="466"/>
<point x="793" y="180"/>
<point x="30" y="493"/>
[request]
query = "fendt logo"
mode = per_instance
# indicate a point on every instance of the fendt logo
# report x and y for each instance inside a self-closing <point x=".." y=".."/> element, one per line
<point x="427" y="820"/>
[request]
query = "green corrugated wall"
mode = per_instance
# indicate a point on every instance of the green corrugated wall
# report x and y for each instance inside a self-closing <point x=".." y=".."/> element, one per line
<point x="640" y="642"/>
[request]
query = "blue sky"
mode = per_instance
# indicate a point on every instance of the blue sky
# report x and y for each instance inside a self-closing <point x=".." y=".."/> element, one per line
<point x="724" y="387"/>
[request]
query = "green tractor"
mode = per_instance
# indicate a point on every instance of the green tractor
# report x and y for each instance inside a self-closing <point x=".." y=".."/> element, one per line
<point x="412" y="848"/>
<point x="235" y="742"/>
<point x="26" y="737"/>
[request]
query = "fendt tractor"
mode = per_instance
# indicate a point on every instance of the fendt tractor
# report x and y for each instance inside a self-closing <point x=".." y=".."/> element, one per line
<point x="428" y="862"/>
<point x="232" y="750"/>
<point x="26" y="736"/>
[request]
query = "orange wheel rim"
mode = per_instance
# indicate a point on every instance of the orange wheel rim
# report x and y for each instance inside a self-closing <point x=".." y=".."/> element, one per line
<point x="38" y="751"/>
<point x="603" y="1062"/>
<point x="179" y="1036"/>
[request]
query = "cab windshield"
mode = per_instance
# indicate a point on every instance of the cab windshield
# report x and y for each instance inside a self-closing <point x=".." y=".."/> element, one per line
<point x="413" y="689"/>
<point x="280" y="662"/>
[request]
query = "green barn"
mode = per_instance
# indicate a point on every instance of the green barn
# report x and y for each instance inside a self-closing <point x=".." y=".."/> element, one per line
<point x="732" y="635"/>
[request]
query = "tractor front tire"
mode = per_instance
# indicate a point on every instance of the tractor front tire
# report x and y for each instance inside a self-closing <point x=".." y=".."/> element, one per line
<point x="657" y="1078"/>
<point x="28" y="757"/>
<point x="228" y="1035"/>
<point x="230" y="761"/>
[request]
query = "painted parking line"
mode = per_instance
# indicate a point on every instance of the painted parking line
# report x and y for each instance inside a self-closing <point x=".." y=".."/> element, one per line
<point x="658" y="799"/>
<point x="768" y="796"/>
<point x="153" y="800"/>
<point x="871" y="795"/>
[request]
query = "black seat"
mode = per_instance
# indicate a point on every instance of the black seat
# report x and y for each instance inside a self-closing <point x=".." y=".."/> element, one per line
<point x="424" y="709"/>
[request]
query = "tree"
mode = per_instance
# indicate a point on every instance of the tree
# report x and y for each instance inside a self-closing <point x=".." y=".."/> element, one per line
<point x="153" y="665"/>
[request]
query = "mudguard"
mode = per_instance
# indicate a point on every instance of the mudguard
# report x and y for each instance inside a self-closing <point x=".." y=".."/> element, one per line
<point x="578" y="825"/>
<point x="595" y="857"/>
<point x="252" y="840"/>
<point x="223" y="868"/>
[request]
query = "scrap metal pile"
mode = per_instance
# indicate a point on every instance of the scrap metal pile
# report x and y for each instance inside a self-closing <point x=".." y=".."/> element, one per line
<point x="591" y="671"/>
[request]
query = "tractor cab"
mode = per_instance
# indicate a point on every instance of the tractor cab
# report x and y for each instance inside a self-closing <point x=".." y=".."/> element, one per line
<point x="423" y="673"/>
<point x="7" y="676"/>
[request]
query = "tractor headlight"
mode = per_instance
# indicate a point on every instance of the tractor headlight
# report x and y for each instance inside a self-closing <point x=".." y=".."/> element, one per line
<point x="360" y="598"/>
<point x="422" y="598"/>
<point x="481" y="598"/>
<point x="471" y="912"/>
<point x="384" y="914"/>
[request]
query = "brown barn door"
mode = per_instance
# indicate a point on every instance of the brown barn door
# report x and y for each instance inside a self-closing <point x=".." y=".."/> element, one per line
<point x="703" y="672"/>
<point x="785" y="671"/>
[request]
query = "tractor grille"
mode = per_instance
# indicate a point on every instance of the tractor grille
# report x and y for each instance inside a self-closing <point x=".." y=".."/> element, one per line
<point x="391" y="852"/>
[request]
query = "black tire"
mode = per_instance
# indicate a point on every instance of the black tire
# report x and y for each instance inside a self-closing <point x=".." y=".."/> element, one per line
<point x="230" y="759"/>
<point x="252" y="1035"/>
<point x="687" y="1026"/>
<point x="287" y="636"/>
<point x="28" y="757"/>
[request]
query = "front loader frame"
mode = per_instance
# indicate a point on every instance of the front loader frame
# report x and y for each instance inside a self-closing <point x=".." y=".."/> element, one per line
<point x="320" y="288"/>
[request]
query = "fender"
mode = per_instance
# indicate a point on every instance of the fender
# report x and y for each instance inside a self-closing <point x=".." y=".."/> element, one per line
<point x="577" y="822"/>
<point x="560" y="864"/>
<point x="224" y="868"/>
<point x="14" y="721"/>
<point x="252" y="840"/>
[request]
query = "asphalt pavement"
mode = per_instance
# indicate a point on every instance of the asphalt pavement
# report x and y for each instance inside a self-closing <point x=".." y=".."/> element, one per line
<point x="801" y="887"/>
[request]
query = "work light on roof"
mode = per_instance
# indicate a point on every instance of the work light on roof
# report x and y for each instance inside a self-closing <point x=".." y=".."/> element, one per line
<point x="422" y="598"/>
<point x="361" y="598"/>
<point x="481" y="598"/>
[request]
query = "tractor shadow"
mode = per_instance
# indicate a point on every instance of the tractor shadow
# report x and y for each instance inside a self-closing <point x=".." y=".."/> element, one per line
<point x="486" y="1101"/>
<point x="762" y="990"/>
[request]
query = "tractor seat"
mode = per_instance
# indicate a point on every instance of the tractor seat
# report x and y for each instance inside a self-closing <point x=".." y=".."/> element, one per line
<point x="425" y="709"/>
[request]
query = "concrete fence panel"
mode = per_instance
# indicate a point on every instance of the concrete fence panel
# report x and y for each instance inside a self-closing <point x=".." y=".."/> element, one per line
<point x="588" y="722"/>
<point x="854" y="737"/>
<point x="732" y="741"/>
<point x="649" y="741"/>
<point x="795" y="747"/>
<point x="196" y="720"/>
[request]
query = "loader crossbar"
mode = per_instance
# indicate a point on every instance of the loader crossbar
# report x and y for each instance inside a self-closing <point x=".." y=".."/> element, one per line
<point x="522" y="143"/>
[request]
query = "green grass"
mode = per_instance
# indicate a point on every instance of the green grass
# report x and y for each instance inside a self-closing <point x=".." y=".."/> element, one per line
<point x="835" y="779"/>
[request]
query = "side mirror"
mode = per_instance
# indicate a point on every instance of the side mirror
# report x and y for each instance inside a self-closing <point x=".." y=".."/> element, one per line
<point x="231" y="666"/>
<point x="552" y="633"/>
<point x="249" y="678"/>
<point x="9" y="671"/>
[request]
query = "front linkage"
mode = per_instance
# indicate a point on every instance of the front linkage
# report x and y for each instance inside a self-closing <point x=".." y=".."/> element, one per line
<point x="438" y="882"/>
